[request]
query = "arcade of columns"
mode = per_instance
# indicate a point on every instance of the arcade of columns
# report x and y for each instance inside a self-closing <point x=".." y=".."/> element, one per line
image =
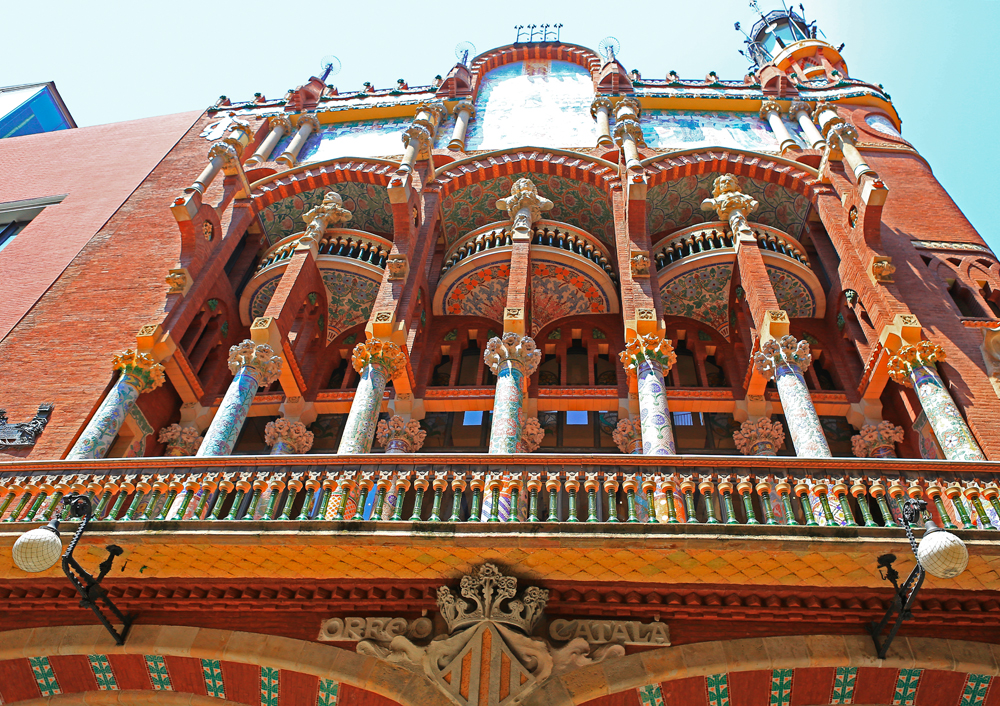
<point x="513" y="357"/>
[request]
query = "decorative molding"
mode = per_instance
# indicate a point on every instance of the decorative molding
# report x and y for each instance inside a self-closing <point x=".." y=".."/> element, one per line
<point x="22" y="435"/>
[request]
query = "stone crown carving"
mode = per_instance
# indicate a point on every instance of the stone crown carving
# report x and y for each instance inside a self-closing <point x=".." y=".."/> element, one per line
<point x="769" y="106"/>
<point x="379" y="353"/>
<point x="524" y="206"/>
<point x="292" y="433"/>
<point x="180" y="441"/>
<point x="258" y="358"/>
<point x="798" y="107"/>
<point x="328" y="214"/>
<point x="280" y="121"/>
<point x="601" y="102"/>
<point x="514" y="348"/>
<point x="751" y="434"/>
<point x="533" y="434"/>
<point x="652" y="347"/>
<point x="785" y="350"/>
<point x="922" y="353"/>
<point x="626" y="435"/>
<point x="146" y="372"/>
<point x="489" y="595"/>
<point x="872" y="437"/>
<point x="466" y="105"/>
<point x="727" y="200"/>
<point x="399" y="428"/>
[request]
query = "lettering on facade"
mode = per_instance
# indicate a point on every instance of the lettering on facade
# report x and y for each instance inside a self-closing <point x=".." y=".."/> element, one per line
<point x="622" y="632"/>
<point x="352" y="629"/>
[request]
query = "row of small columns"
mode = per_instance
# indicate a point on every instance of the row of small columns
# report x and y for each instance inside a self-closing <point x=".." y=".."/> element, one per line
<point x="495" y="498"/>
<point x="224" y="153"/>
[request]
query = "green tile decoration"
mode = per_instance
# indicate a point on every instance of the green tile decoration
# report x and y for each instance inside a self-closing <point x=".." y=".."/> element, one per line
<point x="327" y="692"/>
<point x="976" y="686"/>
<point x="48" y="685"/>
<point x="718" y="689"/>
<point x="843" y="685"/>
<point x="268" y="686"/>
<point x="650" y="695"/>
<point x="158" y="674"/>
<point x="213" y="678"/>
<point x="781" y="687"/>
<point x="906" y="687"/>
<point x="101" y="667"/>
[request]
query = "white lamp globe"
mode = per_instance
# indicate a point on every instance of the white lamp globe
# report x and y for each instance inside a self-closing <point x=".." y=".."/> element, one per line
<point x="942" y="554"/>
<point x="38" y="549"/>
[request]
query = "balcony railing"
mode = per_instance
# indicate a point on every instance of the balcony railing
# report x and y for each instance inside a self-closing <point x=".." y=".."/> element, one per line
<point x="436" y="488"/>
<point x="336" y="242"/>
<point x="707" y="237"/>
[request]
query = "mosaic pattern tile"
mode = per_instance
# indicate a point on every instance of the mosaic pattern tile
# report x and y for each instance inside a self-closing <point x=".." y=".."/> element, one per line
<point x="792" y="293"/>
<point x="268" y="686"/>
<point x="352" y="297"/>
<point x="781" y="687"/>
<point x="718" y="689"/>
<point x="906" y="687"/>
<point x="701" y="294"/>
<point x="650" y="695"/>
<point x="482" y="292"/>
<point x="159" y="677"/>
<point x="262" y="297"/>
<point x="369" y="204"/>
<point x="539" y="102"/>
<point x="357" y="138"/>
<point x="214" y="685"/>
<point x="677" y="204"/>
<point x="974" y="693"/>
<point x="684" y="129"/>
<point x="575" y="202"/>
<point x="48" y="685"/>
<point x="101" y="667"/>
<point x="843" y="685"/>
<point x="327" y="695"/>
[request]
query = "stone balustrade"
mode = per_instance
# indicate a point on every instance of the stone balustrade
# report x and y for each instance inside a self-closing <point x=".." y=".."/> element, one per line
<point x="335" y="242"/>
<point x="708" y="237"/>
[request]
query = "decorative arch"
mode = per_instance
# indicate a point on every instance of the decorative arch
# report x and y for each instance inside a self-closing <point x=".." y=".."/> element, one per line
<point x="216" y="666"/>
<point x="495" y="58"/>
<point x="787" y="173"/>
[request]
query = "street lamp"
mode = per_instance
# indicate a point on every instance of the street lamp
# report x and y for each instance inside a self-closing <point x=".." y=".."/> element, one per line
<point x="939" y="554"/>
<point x="39" y="549"/>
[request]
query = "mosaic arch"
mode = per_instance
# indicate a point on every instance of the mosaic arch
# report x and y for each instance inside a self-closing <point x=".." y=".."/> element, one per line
<point x="701" y="294"/>
<point x="677" y="204"/>
<point x="575" y="202"/>
<point x="792" y="293"/>
<point x="368" y="202"/>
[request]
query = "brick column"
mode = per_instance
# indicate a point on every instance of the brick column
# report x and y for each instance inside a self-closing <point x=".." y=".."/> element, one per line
<point x="512" y="359"/>
<point x="377" y="362"/>
<point x="138" y="373"/>
<point x="648" y="358"/>
<point x="785" y="360"/>
<point x="913" y="366"/>
<point x="524" y="207"/>
<point x="254" y="366"/>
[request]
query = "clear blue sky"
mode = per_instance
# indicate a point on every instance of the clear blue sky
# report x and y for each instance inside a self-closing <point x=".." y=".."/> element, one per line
<point x="116" y="61"/>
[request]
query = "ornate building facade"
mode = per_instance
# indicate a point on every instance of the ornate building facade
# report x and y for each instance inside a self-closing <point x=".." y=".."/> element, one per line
<point x="547" y="383"/>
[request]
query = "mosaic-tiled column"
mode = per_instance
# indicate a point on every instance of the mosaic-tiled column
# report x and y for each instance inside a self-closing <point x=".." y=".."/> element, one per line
<point x="649" y="357"/>
<point x="877" y="441"/>
<point x="399" y="436"/>
<point x="253" y="365"/>
<point x="762" y="437"/>
<point x="285" y="437"/>
<point x="377" y="362"/>
<point x="628" y="436"/>
<point x="785" y="359"/>
<point x="512" y="359"/>
<point x="913" y="365"/>
<point x="180" y="441"/>
<point x="139" y="373"/>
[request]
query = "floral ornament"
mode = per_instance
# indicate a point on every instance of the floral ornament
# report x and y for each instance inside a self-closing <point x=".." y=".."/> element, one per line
<point x="180" y="441"/>
<point x="145" y="373"/>
<point x="377" y="352"/>
<point x="532" y="435"/>
<point x="628" y="436"/>
<point x="258" y="358"/>
<point x="877" y="441"/>
<point x="291" y="434"/>
<point x="786" y="350"/>
<point x="515" y="348"/>
<point x="400" y="435"/>
<point x="652" y="347"/>
<point x="759" y="438"/>
<point x="922" y="353"/>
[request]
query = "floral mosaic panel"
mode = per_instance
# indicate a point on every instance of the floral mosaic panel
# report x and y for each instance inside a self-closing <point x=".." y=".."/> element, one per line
<point x="262" y="297"/>
<point x="677" y="204"/>
<point x="683" y="129"/>
<point x="357" y="138"/>
<point x="538" y="102"/>
<point x="482" y="292"/>
<point x="352" y="297"/>
<point x="558" y="290"/>
<point x="575" y="202"/>
<point x="792" y="293"/>
<point x="369" y="204"/>
<point x="701" y="294"/>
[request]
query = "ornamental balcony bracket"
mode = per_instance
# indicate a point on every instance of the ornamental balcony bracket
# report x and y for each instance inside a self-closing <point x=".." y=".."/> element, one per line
<point x="23" y="435"/>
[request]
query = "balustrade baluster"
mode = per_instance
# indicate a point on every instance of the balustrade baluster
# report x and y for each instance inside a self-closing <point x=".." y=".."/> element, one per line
<point x="477" y="484"/>
<point x="688" y="486"/>
<point x="493" y="484"/>
<point x="611" y="490"/>
<point x="764" y="492"/>
<point x="725" y="487"/>
<point x="572" y="486"/>
<point x="934" y="492"/>
<point x="552" y="483"/>
<point x="534" y="485"/>
<point x="841" y="493"/>
<point x="458" y="486"/>
<point x="402" y="485"/>
<point x="439" y="484"/>
<point x="649" y="489"/>
<point x="420" y="484"/>
<point x="954" y="493"/>
<point x="859" y="492"/>
<point x="745" y="489"/>
<point x="707" y="489"/>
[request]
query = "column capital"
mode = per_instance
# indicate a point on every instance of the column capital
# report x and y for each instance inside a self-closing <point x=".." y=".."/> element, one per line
<point x="841" y="131"/>
<point x="628" y="104"/>
<point x="308" y="119"/>
<point x="524" y="206"/>
<point x="910" y="356"/>
<point x="146" y="374"/>
<point x="400" y="435"/>
<point x="628" y="129"/>
<point x="532" y="435"/>
<point x="769" y="106"/>
<point x="651" y="347"/>
<point x="329" y="213"/>
<point x="225" y="151"/>
<point x="824" y="106"/>
<point x="727" y="199"/>
<point x="436" y="109"/>
<point x="785" y="350"/>
<point x="467" y="106"/>
<point x="258" y="358"/>
<point x="759" y="438"/>
<point x="294" y="434"/>
<point x="628" y="436"/>
<point x="280" y="122"/>
<point x="515" y="348"/>
<point x="381" y="354"/>
<point x="180" y="441"/>
<point x="601" y="102"/>
<point x="877" y="441"/>
<point x="797" y="108"/>
<point x="419" y="135"/>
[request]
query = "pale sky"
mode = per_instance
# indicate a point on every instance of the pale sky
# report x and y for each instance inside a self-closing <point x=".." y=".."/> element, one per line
<point x="115" y="60"/>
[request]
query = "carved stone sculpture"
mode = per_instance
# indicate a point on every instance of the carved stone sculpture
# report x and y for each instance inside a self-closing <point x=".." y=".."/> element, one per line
<point x="731" y="204"/>
<point x="524" y="206"/>
<point x="328" y="214"/>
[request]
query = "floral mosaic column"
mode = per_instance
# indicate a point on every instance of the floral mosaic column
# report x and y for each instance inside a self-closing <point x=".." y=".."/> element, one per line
<point x="139" y="373"/>
<point x="180" y="441"/>
<point x="285" y="437"/>
<point x="377" y="362"/>
<point x="913" y="365"/>
<point x="512" y="359"/>
<point x="628" y="436"/>
<point x="253" y="365"/>
<point x="648" y="358"/>
<point x="785" y="359"/>
<point x="399" y="436"/>
<point x="877" y="441"/>
<point x="762" y="437"/>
